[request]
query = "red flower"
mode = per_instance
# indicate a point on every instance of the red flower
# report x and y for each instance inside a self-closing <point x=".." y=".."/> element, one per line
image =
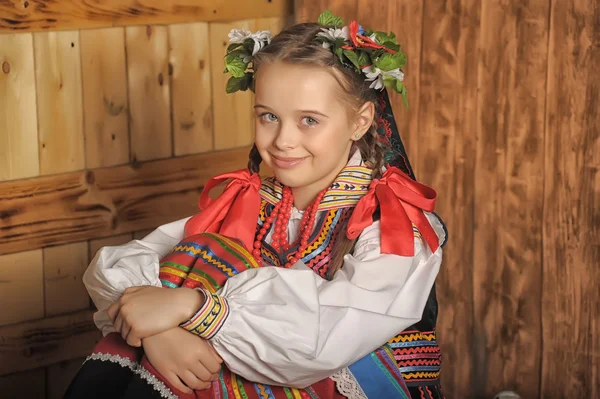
<point x="362" y="41"/>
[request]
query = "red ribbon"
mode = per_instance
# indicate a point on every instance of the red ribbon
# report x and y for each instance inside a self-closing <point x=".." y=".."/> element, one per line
<point x="234" y="213"/>
<point x="401" y="201"/>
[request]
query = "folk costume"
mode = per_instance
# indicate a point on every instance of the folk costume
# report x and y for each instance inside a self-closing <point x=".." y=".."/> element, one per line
<point x="276" y="312"/>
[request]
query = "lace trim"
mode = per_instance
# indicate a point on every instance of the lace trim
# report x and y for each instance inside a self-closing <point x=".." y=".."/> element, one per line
<point x="347" y="384"/>
<point x="136" y="368"/>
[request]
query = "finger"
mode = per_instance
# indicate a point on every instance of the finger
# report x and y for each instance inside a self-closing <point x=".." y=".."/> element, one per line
<point x="212" y="364"/>
<point x="133" y="338"/>
<point x="113" y="310"/>
<point x="118" y="323"/>
<point x="174" y="380"/>
<point x="201" y="372"/>
<point x="192" y="381"/>
<point x="125" y="329"/>
<point x="215" y="354"/>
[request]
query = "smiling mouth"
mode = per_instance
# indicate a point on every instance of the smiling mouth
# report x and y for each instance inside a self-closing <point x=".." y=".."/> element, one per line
<point x="286" y="163"/>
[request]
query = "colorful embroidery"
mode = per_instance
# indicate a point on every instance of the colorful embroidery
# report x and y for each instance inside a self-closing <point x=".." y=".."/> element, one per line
<point x="210" y="318"/>
<point x="418" y="355"/>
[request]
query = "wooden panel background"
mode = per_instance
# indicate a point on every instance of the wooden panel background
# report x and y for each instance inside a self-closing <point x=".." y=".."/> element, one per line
<point x="504" y="122"/>
<point x="99" y="129"/>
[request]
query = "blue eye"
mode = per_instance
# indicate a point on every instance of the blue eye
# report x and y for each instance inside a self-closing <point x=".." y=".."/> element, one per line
<point x="268" y="117"/>
<point x="308" y="121"/>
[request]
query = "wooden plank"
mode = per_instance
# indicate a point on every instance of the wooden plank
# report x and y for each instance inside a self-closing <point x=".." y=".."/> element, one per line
<point x="60" y="376"/>
<point x="571" y="232"/>
<point x="509" y="190"/>
<point x="95" y="245"/>
<point x="191" y="88"/>
<point x="105" y="99"/>
<point x="47" y="341"/>
<point x="21" y="287"/>
<point x="34" y="15"/>
<point x="447" y="128"/>
<point x="232" y="113"/>
<point x="18" y="114"/>
<point x="59" y="101"/>
<point x="64" y="266"/>
<point x="27" y="384"/>
<point x="309" y="10"/>
<point x="139" y="235"/>
<point x="149" y="102"/>
<point x="77" y="206"/>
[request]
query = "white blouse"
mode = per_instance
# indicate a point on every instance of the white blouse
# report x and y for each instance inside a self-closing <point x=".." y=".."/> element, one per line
<point x="289" y="326"/>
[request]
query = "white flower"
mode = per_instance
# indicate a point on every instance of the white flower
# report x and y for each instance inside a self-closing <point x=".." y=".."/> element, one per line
<point x="260" y="38"/>
<point x="239" y="35"/>
<point x="332" y="34"/>
<point x="376" y="76"/>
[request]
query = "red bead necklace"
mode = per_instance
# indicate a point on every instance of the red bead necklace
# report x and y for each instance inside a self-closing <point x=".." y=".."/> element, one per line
<point x="281" y="215"/>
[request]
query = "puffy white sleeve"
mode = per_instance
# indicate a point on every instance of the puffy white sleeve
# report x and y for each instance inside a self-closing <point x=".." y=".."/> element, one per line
<point x="134" y="264"/>
<point x="291" y="327"/>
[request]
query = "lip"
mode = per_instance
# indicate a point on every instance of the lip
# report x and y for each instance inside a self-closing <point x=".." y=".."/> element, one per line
<point x="285" y="162"/>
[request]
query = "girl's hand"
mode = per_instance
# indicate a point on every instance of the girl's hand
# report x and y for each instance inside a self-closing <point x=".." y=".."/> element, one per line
<point x="145" y="311"/>
<point x="180" y="356"/>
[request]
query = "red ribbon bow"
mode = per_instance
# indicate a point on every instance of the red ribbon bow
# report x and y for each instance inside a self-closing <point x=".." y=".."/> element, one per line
<point x="234" y="213"/>
<point x="401" y="201"/>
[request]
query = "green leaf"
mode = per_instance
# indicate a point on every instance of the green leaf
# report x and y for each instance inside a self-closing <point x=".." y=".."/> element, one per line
<point x="340" y="53"/>
<point x="351" y="55"/>
<point x="392" y="46"/>
<point x="328" y="19"/>
<point x="364" y="59"/>
<point x="233" y="46"/>
<point x="236" y="66"/>
<point x="233" y="55"/>
<point x="400" y="88"/>
<point x="249" y="46"/>
<point x="388" y="62"/>
<point x="239" y="83"/>
<point x="383" y="37"/>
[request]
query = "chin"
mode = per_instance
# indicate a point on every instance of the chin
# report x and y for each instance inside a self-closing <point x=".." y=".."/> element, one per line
<point x="290" y="179"/>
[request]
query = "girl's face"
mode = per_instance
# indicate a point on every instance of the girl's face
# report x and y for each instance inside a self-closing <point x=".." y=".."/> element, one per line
<point x="303" y="130"/>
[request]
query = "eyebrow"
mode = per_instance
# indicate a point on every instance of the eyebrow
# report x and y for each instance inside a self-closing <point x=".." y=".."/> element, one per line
<point x="304" y="111"/>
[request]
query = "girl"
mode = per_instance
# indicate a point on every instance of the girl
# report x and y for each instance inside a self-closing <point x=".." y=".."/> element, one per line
<point x="355" y="246"/>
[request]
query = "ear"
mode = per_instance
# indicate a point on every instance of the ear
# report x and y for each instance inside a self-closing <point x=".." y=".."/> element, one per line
<point x="364" y="120"/>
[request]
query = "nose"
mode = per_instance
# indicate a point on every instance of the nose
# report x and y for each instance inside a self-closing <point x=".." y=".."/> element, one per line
<point x="287" y="137"/>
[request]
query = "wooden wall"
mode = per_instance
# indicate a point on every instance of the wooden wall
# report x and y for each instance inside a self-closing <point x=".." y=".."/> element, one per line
<point x="504" y="122"/>
<point x="112" y="117"/>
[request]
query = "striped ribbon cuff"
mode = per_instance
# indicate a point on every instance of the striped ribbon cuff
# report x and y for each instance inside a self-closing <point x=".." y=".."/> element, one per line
<point x="210" y="318"/>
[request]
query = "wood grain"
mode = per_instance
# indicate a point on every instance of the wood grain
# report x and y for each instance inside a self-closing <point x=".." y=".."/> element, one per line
<point x="47" y="341"/>
<point x="21" y="287"/>
<point x="447" y="123"/>
<point x="18" y="112"/>
<point x="121" y="239"/>
<point x="571" y="230"/>
<point x="59" y="101"/>
<point x="98" y="203"/>
<point x="509" y="191"/>
<point x="64" y="266"/>
<point x="105" y="101"/>
<point x="149" y="98"/>
<point x="189" y="63"/>
<point x="35" y="15"/>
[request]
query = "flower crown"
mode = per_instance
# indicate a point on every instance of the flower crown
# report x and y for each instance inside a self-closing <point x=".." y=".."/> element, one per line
<point x="376" y="55"/>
